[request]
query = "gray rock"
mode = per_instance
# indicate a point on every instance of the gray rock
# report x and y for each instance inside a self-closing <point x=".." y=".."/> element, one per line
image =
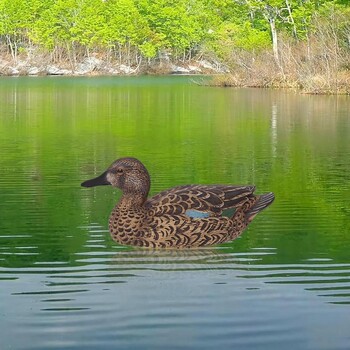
<point x="126" y="69"/>
<point x="53" y="70"/>
<point x="33" y="71"/>
<point x="112" y="71"/>
<point x="216" y="66"/>
<point x="88" y="65"/>
<point x="179" y="70"/>
<point x="13" y="71"/>
<point x="194" y="69"/>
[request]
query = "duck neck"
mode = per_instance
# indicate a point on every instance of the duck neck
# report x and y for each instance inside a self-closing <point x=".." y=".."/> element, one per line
<point x="132" y="200"/>
<point x="135" y="190"/>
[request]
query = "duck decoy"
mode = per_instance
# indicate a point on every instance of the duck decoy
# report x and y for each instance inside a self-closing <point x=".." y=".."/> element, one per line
<point x="180" y="217"/>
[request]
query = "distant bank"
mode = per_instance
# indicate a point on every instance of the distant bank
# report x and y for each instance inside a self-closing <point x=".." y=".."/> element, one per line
<point x="302" y="45"/>
<point x="96" y="66"/>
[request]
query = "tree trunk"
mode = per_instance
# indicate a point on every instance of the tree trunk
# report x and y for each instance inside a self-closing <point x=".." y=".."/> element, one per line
<point x="295" y="34"/>
<point x="13" y="48"/>
<point x="274" y="40"/>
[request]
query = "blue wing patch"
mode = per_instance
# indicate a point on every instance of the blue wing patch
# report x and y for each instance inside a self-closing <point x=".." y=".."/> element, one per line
<point x="196" y="214"/>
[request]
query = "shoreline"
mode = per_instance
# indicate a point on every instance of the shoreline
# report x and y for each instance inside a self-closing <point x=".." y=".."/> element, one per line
<point x="222" y="77"/>
<point x="310" y="85"/>
<point x="92" y="66"/>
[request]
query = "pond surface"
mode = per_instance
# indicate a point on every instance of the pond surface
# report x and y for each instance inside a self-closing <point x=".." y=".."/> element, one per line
<point x="64" y="284"/>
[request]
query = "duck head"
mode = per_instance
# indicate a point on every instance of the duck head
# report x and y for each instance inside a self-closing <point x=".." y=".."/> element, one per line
<point x="127" y="174"/>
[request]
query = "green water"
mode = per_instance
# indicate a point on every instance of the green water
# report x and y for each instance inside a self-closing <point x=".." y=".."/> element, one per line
<point x="64" y="284"/>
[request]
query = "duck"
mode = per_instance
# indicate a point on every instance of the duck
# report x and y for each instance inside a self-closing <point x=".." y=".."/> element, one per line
<point x="185" y="216"/>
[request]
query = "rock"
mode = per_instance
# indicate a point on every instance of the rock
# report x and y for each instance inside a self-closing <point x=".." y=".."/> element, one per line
<point x="126" y="69"/>
<point x="206" y="64"/>
<point x="33" y="71"/>
<point x="113" y="71"/>
<point x="53" y="70"/>
<point x="13" y="71"/>
<point x="88" y="65"/>
<point x="216" y="67"/>
<point x="179" y="70"/>
<point x="194" y="69"/>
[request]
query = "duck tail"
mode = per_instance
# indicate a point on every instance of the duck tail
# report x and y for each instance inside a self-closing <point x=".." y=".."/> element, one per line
<point x="263" y="202"/>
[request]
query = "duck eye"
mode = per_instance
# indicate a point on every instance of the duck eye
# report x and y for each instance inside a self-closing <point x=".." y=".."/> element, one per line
<point x="119" y="171"/>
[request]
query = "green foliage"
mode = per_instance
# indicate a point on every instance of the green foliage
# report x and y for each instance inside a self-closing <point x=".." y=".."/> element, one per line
<point x="54" y="26"/>
<point x="124" y="23"/>
<point x="250" y="39"/>
<point x="147" y="27"/>
<point x="177" y="24"/>
<point x="88" y="23"/>
<point x="16" y="16"/>
<point x="239" y="36"/>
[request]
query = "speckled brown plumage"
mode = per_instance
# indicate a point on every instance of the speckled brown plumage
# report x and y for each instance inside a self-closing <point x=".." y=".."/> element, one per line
<point x="181" y="217"/>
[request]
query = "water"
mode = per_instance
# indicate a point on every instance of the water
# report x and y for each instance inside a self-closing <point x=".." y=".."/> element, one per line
<point x="64" y="284"/>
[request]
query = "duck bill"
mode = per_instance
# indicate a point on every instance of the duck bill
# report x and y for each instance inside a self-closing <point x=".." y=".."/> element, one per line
<point x="97" y="181"/>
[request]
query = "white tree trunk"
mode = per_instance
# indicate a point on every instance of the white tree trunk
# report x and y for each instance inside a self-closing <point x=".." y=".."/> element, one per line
<point x="292" y="19"/>
<point x="274" y="40"/>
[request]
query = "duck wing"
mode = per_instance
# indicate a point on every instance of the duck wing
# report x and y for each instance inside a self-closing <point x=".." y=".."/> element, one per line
<point x="197" y="200"/>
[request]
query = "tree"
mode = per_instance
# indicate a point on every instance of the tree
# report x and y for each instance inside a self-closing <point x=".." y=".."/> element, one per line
<point x="176" y="23"/>
<point x="16" y="17"/>
<point x="88" y="27"/>
<point x="127" y="28"/>
<point x="270" y="10"/>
